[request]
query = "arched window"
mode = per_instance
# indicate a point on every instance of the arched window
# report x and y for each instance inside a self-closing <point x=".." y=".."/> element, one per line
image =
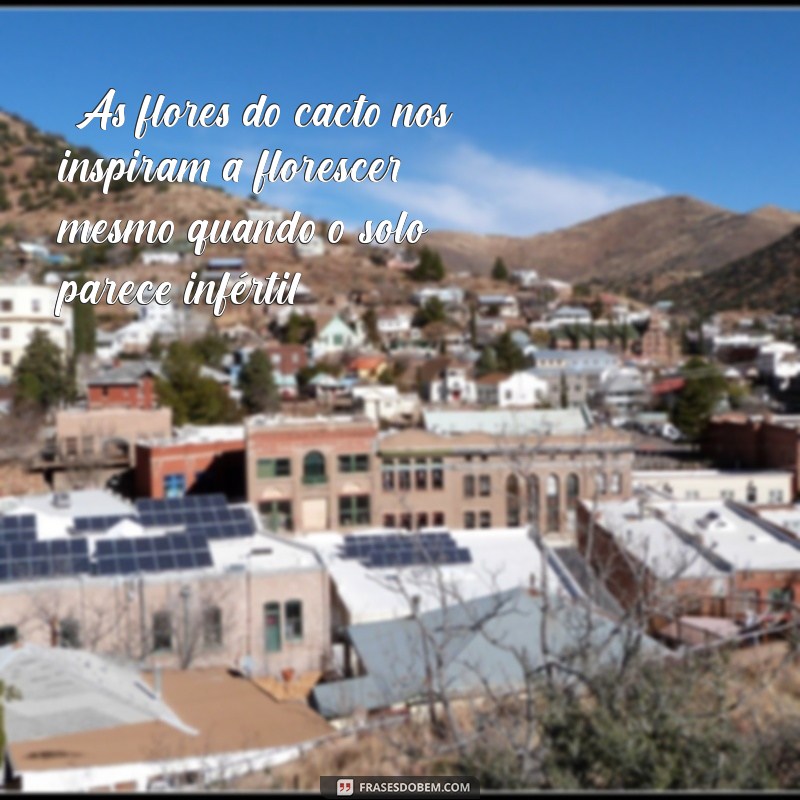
<point x="573" y="490"/>
<point x="533" y="498"/>
<point x="314" y="467"/>
<point x="553" y="501"/>
<point x="512" y="501"/>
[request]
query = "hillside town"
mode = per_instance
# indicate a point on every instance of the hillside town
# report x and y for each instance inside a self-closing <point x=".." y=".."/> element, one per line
<point x="209" y="522"/>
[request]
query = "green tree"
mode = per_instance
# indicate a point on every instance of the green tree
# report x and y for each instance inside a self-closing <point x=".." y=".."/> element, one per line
<point x="509" y="356"/>
<point x="84" y="326"/>
<point x="42" y="378"/>
<point x="430" y="267"/>
<point x="370" y="320"/>
<point x="192" y="397"/>
<point x="257" y="382"/>
<point x="500" y="270"/>
<point x="300" y="329"/>
<point x="211" y="348"/>
<point x="432" y="311"/>
<point x="704" y="387"/>
<point x="487" y="361"/>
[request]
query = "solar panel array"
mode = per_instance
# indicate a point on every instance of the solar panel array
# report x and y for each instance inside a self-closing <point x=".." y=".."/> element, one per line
<point x="99" y="524"/>
<point x="46" y="559"/>
<point x="152" y="554"/>
<point x="21" y="528"/>
<point x="207" y="514"/>
<point x="197" y="520"/>
<point x="404" y="550"/>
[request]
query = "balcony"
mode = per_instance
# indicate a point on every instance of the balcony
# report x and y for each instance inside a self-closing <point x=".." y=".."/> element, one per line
<point x="313" y="480"/>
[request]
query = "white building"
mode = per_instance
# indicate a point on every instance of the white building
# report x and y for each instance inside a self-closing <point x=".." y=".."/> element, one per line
<point x="336" y="337"/>
<point x="165" y="258"/>
<point x="448" y="295"/>
<point x="386" y="404"/>
<point x="312" y="249"/>
<point x="526" y="278"/>
<point x="762" y="487"/>
<point x="519" y="389"/>
<point x="778" y="361"/>
<point x="25" y="308"/>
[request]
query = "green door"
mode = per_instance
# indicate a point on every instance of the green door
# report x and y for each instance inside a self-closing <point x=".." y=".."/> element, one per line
<point x="272" y="627"/>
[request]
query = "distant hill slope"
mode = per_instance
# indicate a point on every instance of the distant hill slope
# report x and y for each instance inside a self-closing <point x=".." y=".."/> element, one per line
<point x="766" y="279"/>
<point x="33" y="202"/>
<point x="644" y="247"/>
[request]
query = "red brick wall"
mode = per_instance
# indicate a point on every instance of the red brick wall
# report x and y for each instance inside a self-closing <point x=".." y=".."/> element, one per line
<point x="222" y="463"/>
<point x="141" y="395"/>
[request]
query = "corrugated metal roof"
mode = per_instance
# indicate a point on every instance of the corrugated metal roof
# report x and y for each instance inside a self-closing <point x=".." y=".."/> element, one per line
<point x="499" y="422"/>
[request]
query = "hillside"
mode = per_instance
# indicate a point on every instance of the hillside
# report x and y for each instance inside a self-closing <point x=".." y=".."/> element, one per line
<point x="640" y="250"/>
<point x="644" y="247"/>
<point x="766" y="279"/>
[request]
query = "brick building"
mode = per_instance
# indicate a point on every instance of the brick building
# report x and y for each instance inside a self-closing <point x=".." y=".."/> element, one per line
<point x="716" y="558"/>
<point x="126" y="385"/>
<point x="195" y="460"/>
<point x="735" y="441"/>
<point x="340" y="473"/>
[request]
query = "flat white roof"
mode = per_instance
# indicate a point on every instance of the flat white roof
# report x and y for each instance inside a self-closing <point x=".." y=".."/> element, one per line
<point x="741" y="541"/>
<point x="502" y="559"/>
<point x="654" y="543"/>
<point x="656" y="474"/>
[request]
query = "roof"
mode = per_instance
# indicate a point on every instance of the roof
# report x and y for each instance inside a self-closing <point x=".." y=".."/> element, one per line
<point x="656" y="544"/>
<point x="493" y="378"/>
<point x="498" y="422"/>
<point x="367" y="362"/>
<point x="72" y="691"/>
<point x="485" y="644"/>
<point x="668" y="385"/>
<point x="741" y="539"/>
<point x="229" y="713"/>
<point x="127" y="372"/>
<point x="502" y="559"/>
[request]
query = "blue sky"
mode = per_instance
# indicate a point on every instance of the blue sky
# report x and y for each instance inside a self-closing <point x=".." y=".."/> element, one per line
<point x="557" y="116"/>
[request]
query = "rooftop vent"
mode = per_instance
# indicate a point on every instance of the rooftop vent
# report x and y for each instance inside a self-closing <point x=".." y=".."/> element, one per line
<point x="61" y="500"/>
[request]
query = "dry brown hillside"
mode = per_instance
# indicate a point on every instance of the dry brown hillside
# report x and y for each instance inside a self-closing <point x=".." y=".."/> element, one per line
<point x="645" y="246"/>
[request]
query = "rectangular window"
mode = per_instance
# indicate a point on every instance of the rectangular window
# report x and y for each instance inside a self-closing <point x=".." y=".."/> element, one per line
<point x="5" y="333"/>
<point x="277" y="514"/>
<point x="469" y="519"/>
<point x="273" y="468"/>
<point x="293" y="616"/>
<point x="437" y="474"/>
<point x="421" y="478"/>
<point x="726" y="494"/>
<point x="87" y="443"/>
<point x="438" y="519"/>
<point x="354" y="510"/>
<point x="404" y="480"/>
<point x="69" y="633"/>
<point x="422" y="520"/>
<point x="469" y="486"/>
<point x="389" y="521"/>
<point x="485" y="485"/>
<point x="36" y="306"/>
<point x="212" y="627"/>
<point x="272" y="627"/>
<point x="8" y="635"/>
<point x="7" y="305"/>
<point x="387" y="479"/>
<point x="486" y="519"/>
<point x="406" y="521"/>
<point x="776" y="495"/>
<point x="6" y="359"/>
<point x="354" y="463"/>
<point x="72" y="445"/>
<point x="162" y="630"/>
<point x="174" y="485"/>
